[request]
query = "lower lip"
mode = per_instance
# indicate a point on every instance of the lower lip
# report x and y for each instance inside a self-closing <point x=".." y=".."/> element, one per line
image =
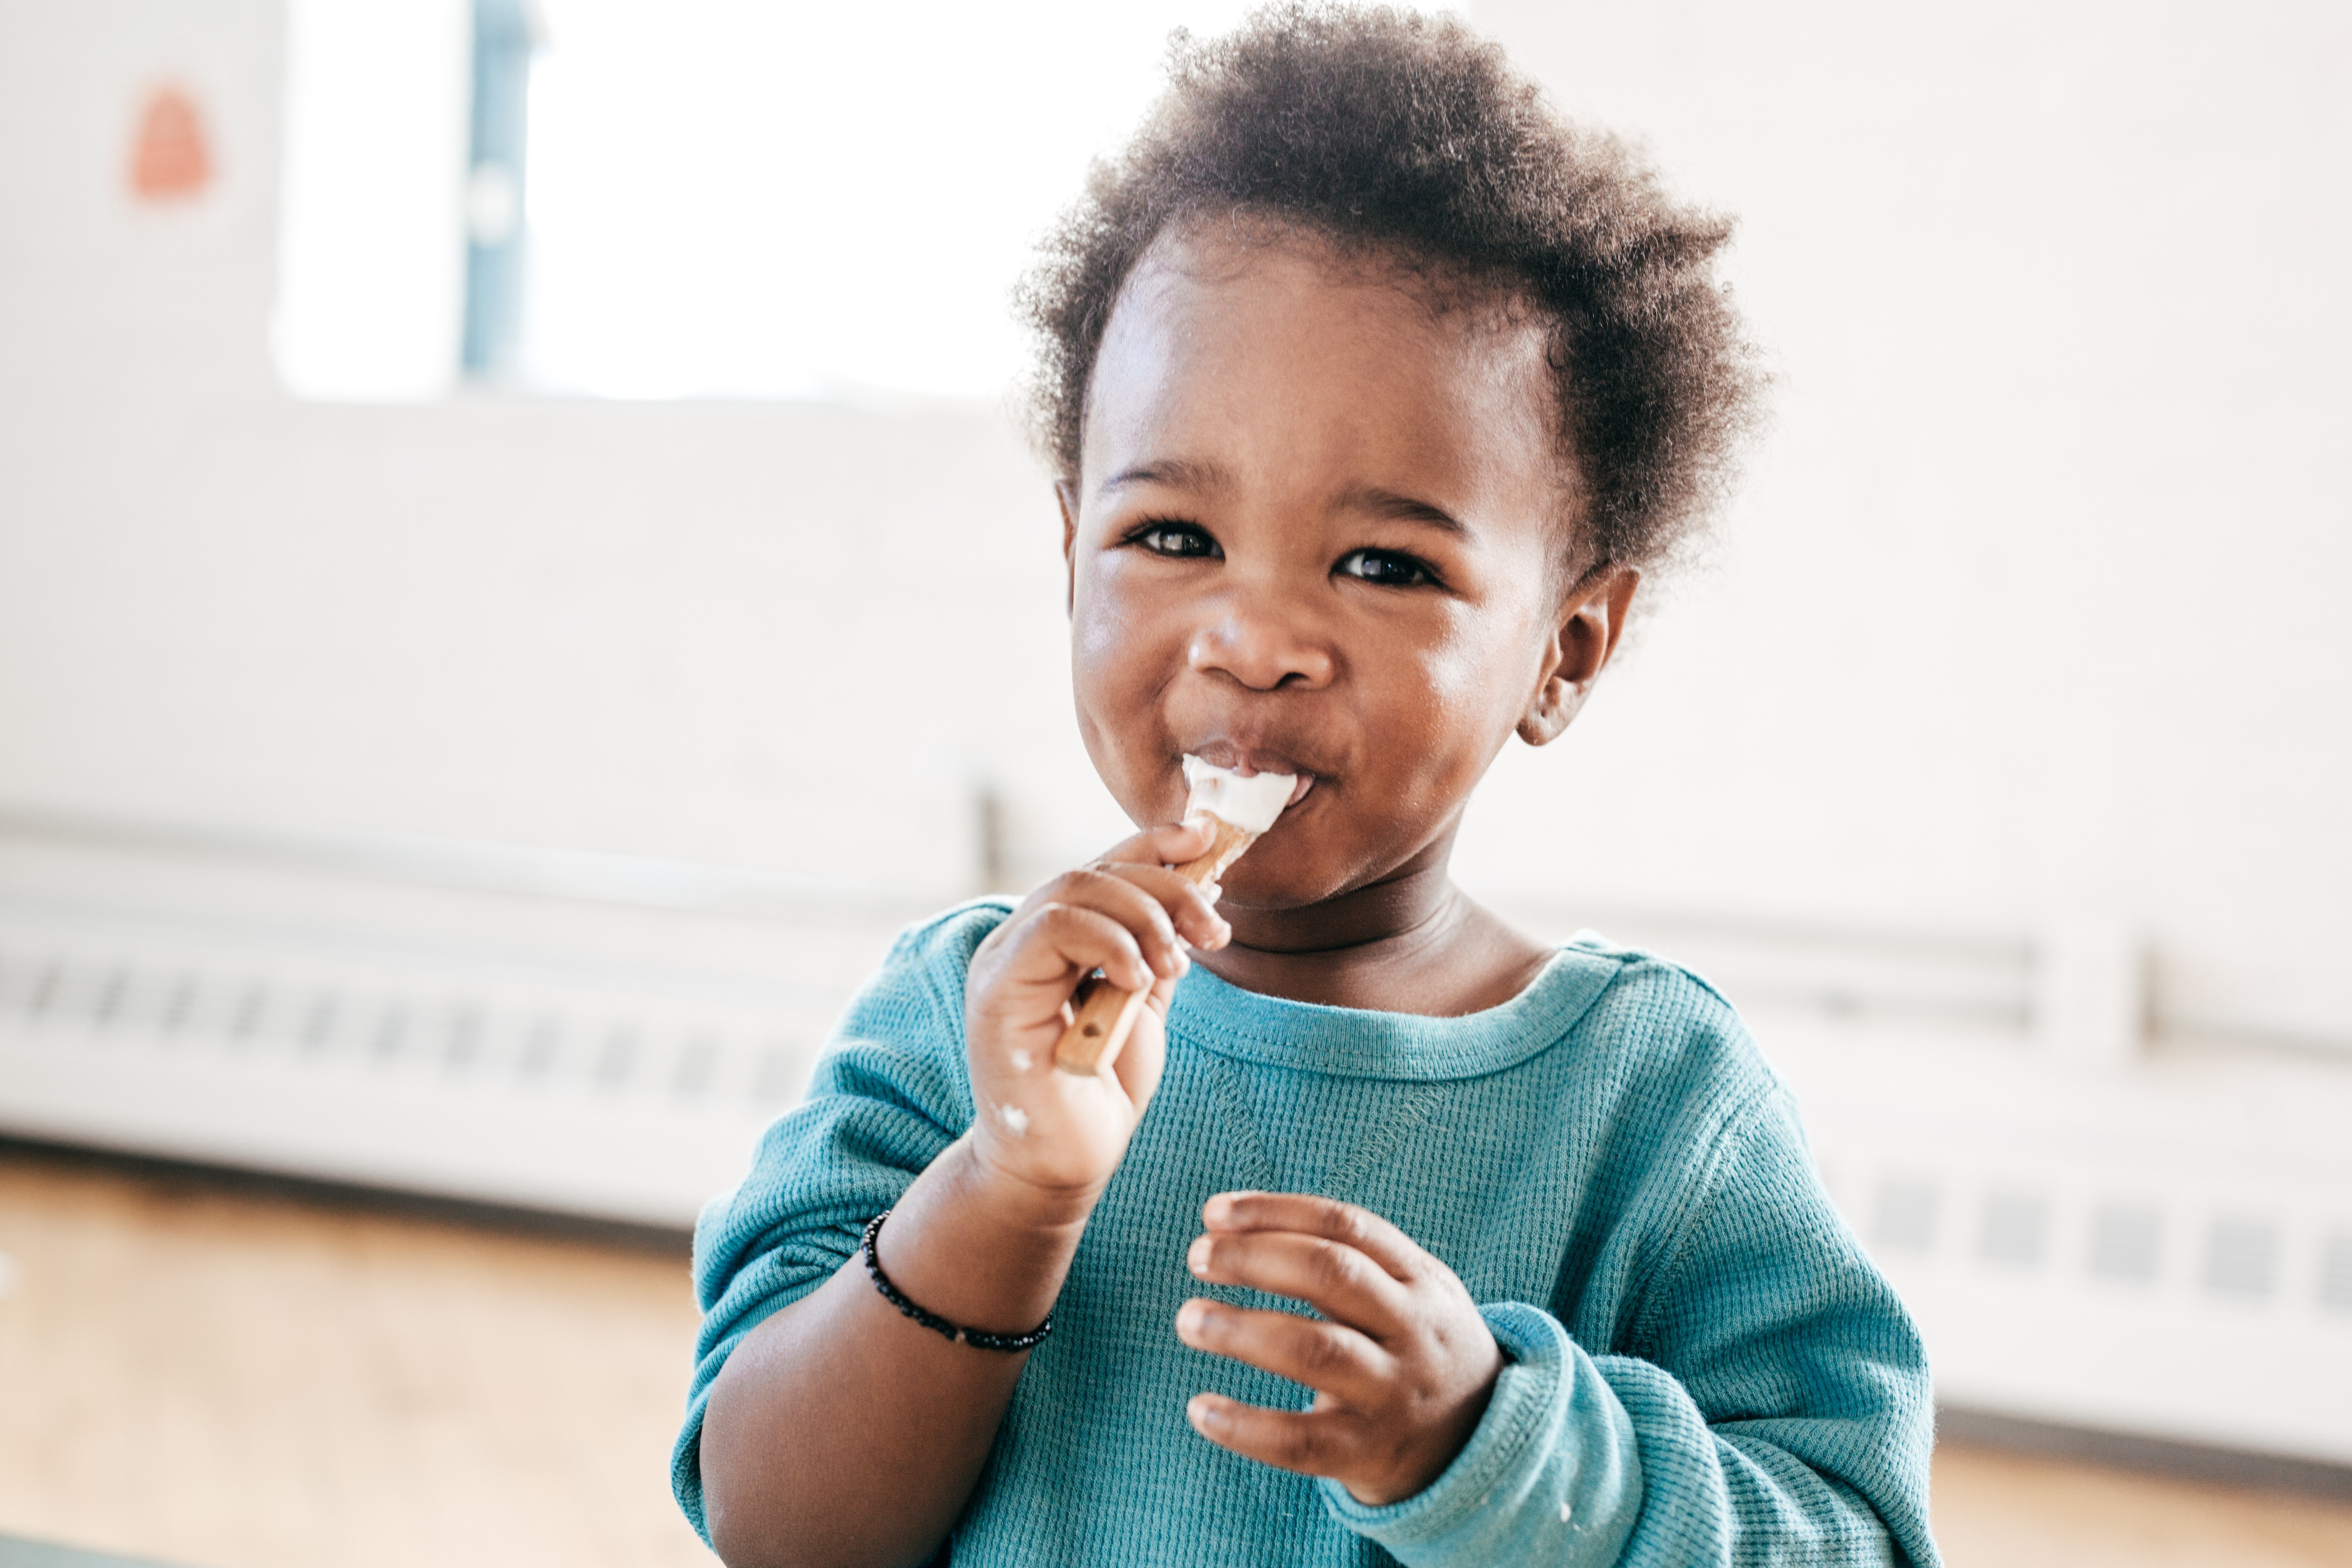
<point x="1298" y="790"/>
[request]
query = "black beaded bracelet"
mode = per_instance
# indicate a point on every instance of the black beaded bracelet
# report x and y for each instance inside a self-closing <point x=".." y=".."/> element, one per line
<point x="980" y="1339"/>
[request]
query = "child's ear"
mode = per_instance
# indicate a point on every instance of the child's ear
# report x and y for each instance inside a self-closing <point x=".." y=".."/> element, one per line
<point x="1065" y="494"/>
<point x="1591" y="621"/>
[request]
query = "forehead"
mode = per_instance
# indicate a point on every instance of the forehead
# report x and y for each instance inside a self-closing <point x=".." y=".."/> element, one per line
<point x="1275" y="355"/>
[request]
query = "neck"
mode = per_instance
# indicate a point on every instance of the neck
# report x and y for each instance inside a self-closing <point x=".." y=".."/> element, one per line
<point x="1396" y="908"/>
<point x="1410" y="942"/>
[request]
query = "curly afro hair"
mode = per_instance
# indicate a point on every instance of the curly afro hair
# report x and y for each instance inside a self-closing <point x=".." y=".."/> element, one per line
<point x="1410" y="137"/>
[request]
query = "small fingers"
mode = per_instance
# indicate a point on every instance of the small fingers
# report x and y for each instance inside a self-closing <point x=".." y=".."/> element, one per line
<point x="1150" y="930"/>
<point x="1141" y="1059"/>
<point x="1397" y="1254"/>
<point x="1311" y="1442"/>
<point x="1059" y="938"/>
<point x="1193" y="908"/>
<point x="1340" y="1282"/>
<point x="1330" y="1358"/>
<point x="1146" y="917"/>
<point x="1171" y="844"/>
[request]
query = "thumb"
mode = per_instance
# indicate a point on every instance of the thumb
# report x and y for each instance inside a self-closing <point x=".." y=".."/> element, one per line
<point x="1139" y="1066"/>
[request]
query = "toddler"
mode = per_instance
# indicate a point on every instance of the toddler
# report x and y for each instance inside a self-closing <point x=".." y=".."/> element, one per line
<point x="1391" y="1234"/>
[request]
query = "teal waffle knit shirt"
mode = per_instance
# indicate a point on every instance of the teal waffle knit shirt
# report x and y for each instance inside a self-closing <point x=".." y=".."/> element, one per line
<point x="1701" y="1366"/>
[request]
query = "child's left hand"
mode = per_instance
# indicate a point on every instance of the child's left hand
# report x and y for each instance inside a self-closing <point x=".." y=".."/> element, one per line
<point x="1401" y="1367"/>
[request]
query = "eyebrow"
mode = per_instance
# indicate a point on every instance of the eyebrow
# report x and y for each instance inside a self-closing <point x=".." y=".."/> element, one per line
<point x="1192" y="474"/>
<point x="1405" y="509"/>
<point x="1177" y="473"/>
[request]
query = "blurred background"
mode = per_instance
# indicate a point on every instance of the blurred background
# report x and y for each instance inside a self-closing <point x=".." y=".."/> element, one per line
<point x="518" y="570"/>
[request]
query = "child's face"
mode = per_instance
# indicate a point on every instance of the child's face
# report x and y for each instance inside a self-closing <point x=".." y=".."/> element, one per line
<point x="1319" y="528"/>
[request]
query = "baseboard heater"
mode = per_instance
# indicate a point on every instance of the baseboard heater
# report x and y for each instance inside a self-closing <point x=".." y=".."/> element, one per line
<point x="2096" y="1235"/>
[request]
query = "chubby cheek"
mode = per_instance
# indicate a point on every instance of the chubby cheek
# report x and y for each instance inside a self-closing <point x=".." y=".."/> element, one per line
<point x="1430" y="718"/>
<point x="1456" y="702"/>
<point x="1121" y="665"/>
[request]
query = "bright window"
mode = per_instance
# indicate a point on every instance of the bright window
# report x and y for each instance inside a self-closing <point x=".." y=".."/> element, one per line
<point x="370" y="236"/>
<point x="719" y="197"/>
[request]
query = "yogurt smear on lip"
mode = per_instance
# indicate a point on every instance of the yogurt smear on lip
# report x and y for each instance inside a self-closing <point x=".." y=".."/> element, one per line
<point x="1249" y="803"/>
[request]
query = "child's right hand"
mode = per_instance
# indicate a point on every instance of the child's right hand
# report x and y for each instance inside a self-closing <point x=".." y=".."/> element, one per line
<point x="1058" y="1136"/>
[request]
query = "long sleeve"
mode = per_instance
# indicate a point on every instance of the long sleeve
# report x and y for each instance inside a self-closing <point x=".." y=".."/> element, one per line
<point x="890" y="1094"/>
<point x="1770" y="1404"/>
<point x="1702" y="1366"/>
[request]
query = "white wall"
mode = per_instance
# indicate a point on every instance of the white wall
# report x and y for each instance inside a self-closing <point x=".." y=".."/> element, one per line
<point x="2032" y="608"/>
<point x="784" y="635"/>
<point x="2025" y="616"/>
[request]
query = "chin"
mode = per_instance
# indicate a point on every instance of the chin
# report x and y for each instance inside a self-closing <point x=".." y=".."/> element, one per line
<point x="1284" y="880"/>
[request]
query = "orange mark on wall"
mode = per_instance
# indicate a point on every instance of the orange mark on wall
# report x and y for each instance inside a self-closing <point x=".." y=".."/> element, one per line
<point x="170" y="159"/>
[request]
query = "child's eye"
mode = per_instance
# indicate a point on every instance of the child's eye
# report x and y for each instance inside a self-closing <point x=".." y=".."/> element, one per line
<point x="1176" y="539"/>
<point x="1389" y="568"/>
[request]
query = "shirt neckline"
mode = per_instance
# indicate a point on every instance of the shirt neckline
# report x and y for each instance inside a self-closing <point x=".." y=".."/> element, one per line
<point x="1308" y="1036"/>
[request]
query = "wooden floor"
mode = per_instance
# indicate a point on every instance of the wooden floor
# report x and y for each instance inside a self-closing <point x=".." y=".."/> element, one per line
<point x="237" y="1375"/>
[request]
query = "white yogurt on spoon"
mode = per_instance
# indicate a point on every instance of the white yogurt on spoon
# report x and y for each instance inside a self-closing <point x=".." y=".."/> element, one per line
<point x="1249" y="803"/>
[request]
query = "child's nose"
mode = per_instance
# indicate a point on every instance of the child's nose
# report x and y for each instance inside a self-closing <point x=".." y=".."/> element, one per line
<point x="1262" y="649"/>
